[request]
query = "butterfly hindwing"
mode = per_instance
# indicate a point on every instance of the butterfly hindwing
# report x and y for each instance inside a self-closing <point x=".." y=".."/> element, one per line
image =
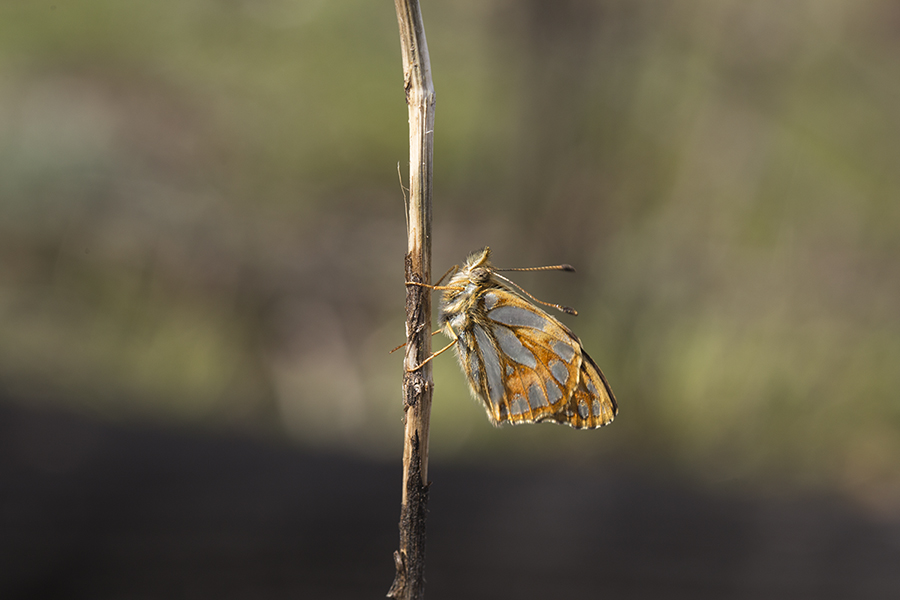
<point x="541" y="367"/>
<point x="592" y="403"/>
<point x="523" y="364"/>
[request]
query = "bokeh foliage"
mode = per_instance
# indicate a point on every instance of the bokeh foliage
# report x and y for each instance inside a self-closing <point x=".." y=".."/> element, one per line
<point x="201" y="219"/>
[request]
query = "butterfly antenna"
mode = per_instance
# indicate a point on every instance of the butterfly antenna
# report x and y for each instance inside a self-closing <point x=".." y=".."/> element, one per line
<point x="566" y="309"/>
<point x="562" y="267"/>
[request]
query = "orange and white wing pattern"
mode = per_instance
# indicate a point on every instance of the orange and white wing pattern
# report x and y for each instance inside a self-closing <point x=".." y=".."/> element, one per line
<point x="528" y="367"/>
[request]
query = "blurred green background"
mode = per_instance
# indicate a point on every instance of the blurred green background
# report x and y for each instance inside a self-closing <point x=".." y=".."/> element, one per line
<point x="201" y="221"/>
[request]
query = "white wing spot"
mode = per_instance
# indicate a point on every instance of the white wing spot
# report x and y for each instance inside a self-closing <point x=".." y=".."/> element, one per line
<point x="518" y="317"/>
<point x="513" y="348"/>
<point x="563" y="350"/>
<point x="518" y="406"/>
<point x="560" y="371"/>
<point x="490" y="300"/>
<point x="554" y="393"/>
<point x="582" y="409"/>
<point x="536" y="396"/>
<point x="491" y="365"/>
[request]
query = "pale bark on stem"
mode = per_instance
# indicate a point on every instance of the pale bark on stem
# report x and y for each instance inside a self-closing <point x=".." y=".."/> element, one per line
<point x="418" y="386"/>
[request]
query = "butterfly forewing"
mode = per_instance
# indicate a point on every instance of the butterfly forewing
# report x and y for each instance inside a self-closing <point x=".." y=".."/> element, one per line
<point x="537" y="376"/>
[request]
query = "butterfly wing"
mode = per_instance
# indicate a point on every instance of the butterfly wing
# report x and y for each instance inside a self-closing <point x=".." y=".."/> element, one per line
<point x="592" y="404"/>
<point x="527" y="367"/>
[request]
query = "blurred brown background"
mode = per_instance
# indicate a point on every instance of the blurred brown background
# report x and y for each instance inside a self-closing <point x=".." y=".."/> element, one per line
<point x="201" y="245"/>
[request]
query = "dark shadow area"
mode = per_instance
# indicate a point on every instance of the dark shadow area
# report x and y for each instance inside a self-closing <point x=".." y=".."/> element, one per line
<point x="93" y="510"/>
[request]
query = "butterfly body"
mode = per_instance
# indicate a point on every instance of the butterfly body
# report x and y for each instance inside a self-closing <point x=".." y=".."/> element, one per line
<point x="523" y="364"/>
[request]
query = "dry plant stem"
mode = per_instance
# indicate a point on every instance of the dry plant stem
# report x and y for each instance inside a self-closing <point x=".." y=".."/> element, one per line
<point x="409" y="560"/>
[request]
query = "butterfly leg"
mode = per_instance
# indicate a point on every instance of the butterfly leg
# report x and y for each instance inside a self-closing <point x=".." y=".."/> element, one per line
<point x="452" y="269"/>
<point x="435" y="287"/>
<point x="404" y="343"/>
<point x="439" y="352"/>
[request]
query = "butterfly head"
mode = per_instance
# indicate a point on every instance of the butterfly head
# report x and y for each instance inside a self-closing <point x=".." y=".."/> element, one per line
<point x="478" y="269"/>
<point x="463" y="287"/>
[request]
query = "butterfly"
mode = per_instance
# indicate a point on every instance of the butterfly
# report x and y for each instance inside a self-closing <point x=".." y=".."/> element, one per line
<point x="523" y="364"/>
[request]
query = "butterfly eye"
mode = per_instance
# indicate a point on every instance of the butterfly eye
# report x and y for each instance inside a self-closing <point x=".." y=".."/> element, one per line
<point x="480" y="275"/>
